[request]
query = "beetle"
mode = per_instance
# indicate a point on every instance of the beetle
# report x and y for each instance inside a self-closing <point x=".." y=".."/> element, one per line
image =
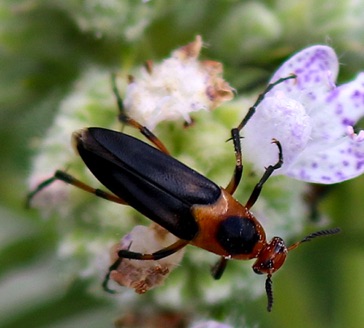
<point x="184" y="202"/>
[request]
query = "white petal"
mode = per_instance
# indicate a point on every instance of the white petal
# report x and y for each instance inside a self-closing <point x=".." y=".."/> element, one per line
<point x="280" y="118"/>
<point x="316" y="69"/>
<point x="343" y="161"/>
<point x="343" y="107"/>
<point x="334" y="153"/>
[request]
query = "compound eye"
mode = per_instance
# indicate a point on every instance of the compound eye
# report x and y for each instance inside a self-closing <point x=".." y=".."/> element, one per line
<point x="264" y="267"/>
<point x="280" y="247"/>
<point x="257" y="271"/>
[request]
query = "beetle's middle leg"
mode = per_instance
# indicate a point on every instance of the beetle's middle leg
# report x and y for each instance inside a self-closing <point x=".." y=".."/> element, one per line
<point x="218" y="269"/>
<point x="268" y="172"/>
<point x="124" y="118"/>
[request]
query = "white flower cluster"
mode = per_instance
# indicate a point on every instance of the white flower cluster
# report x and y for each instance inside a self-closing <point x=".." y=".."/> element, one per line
<point x="176" y="87"/>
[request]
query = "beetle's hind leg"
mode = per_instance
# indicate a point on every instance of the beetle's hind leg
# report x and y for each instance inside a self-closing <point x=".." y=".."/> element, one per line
<point x="106" y="280"/>
<point x="69" y="179"/>
<point x="126" y="254"/>
<point x="124" y="118"/>
<point x="164" y="252"/>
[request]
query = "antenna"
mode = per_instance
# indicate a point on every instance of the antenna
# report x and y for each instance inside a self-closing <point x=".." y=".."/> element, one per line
<point x="321" y="233"/>
<point x="269" y="283"/>
<point x="268" y="289"/>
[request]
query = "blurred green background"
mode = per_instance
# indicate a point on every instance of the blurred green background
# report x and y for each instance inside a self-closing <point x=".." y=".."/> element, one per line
<point x="46" y="45"/>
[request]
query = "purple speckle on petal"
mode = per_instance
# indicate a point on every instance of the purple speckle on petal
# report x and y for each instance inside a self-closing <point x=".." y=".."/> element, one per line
<point x="358" y="98"/>
<point x="339" y="109"/>
<point x="346" y="163"/>
<point x="314" y="165"/>
<point x="347" y="121"/>
<point x="340" y="175"/>
<point x="359" y="165"/>
<point x="312" y="96"/>
<point x="359" y="155"/>
<point x="356" y="94"/>
<point x="333" y="95"/>
<point x="304" y="176"/>
<point x="325" y="178"/>
<point x="307" y="78"/>
<point x="323" y="66"/>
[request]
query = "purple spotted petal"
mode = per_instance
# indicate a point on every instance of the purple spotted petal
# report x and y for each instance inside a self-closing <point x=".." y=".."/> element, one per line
<point x="316" y="69"/>
<point x="334" y="153"/>
<point x="312" y="118"/>
<point x="341" y="162"/>
<point x="344" y="105"/>
<point x="283" y="119"/>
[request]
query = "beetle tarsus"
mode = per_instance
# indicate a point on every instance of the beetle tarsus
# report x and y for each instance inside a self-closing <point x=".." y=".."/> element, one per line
<point x="39" y="188"/>
<point x="106" y="280"/>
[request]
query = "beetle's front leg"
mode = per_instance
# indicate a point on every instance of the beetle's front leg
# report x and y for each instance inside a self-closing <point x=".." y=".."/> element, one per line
<point x="260" y="98"/>
<point x="235" y="180"/>
<point x="235" y="135"/>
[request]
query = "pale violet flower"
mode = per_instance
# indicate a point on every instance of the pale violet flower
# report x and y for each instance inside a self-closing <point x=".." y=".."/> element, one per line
<point x="312" y="118"/>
